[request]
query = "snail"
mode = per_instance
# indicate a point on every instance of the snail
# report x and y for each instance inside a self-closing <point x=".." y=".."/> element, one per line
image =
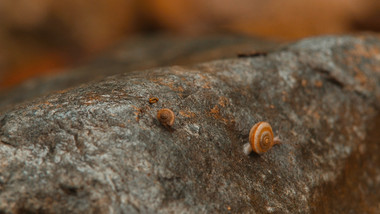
<point x="153" y="100"/>
<point x="261" y="139"/>
<point x="166" y="117"/>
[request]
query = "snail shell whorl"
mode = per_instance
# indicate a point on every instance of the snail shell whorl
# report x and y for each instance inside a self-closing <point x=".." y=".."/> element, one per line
<point x="166" y="117"/>
<point x="261" y="137"/>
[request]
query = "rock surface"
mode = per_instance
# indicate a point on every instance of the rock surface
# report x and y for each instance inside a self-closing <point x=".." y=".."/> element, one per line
<point x="99" y="148"/>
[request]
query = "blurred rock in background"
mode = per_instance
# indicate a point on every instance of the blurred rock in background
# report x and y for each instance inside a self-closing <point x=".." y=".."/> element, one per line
<point x="41" y="36"/>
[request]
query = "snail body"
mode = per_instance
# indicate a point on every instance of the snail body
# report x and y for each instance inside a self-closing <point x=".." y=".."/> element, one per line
<point x="166" y="117"/>
<point x="261" y="139"/>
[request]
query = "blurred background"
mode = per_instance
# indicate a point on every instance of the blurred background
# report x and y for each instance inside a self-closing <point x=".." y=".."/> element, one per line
<point x="43" y="37"/>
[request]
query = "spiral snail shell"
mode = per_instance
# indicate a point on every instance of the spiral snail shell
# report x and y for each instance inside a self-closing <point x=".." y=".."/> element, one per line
<point x="261" y="139"/>
<point x="166" y="117"/>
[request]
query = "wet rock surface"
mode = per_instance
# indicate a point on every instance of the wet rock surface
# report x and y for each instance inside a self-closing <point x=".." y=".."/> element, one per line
<point x="99" y="147"/>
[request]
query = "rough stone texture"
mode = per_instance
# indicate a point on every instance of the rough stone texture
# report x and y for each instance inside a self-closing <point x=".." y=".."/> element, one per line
<point x="99" y="148"/>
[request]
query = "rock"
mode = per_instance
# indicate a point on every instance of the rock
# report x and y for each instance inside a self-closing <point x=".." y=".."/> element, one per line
<point x="99" y="148"/>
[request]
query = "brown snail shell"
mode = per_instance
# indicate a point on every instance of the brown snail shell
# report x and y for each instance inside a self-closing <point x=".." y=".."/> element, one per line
<point x="153" y="100"/>
<point x="166" y="117"/>
<point x="261" y="138"/>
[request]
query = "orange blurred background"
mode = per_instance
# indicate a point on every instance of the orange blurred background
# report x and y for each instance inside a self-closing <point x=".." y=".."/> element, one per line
<point x="41" y="37"/>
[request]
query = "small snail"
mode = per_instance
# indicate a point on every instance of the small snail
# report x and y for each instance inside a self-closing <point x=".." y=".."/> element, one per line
<point x="153" y="100"/>
<point x="166" y="117"/>
<point x="261" y="139"/>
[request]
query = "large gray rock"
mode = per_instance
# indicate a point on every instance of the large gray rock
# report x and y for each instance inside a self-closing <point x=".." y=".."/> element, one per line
<point x="99" y="148"/>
